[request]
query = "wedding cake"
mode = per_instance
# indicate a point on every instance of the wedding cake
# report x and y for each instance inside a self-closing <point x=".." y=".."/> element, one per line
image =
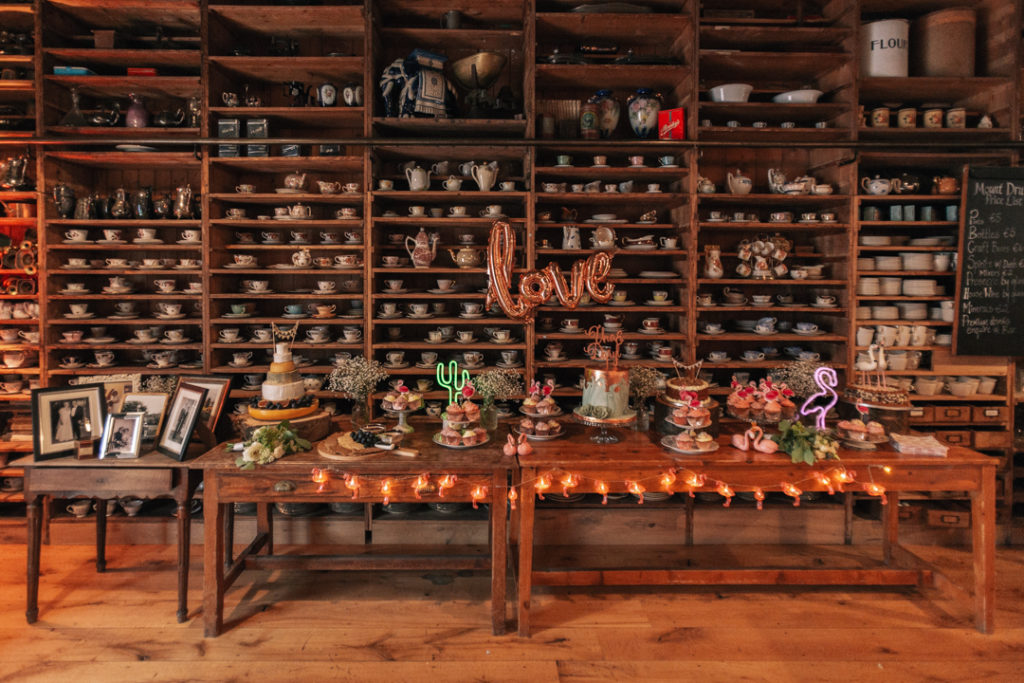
<point x="283" y="396"/>
<point x="605" y="394"/>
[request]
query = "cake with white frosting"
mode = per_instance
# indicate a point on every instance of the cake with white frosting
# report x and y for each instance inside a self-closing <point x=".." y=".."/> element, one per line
<point x="605" y="394"/>
<point x="283" y="381"/>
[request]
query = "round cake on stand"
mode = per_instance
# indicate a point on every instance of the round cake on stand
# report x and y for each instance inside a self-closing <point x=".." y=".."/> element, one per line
<point x="605" y="401"/>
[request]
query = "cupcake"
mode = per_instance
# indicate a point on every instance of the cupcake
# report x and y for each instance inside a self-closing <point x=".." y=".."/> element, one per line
<point x="400" y="402"/>
<point x="471" y="410"/>
<point x="481" y="434"/>
<point x="699" y="417"/>
<point x="875" y="429"/>
<point x="554" y="426"/>
<point x="684" y="441"/>
<point x="705" y="441"/>
<point x="414" y="400"/>
<point x="542" y="428"/>
<point x="450" y="437"/>
<point x="530" y="404"/>
<point x="455" y="412"/>
<point x="854" y="429"/>
<point x="389" y="399"/>
<point x="679" y="415"/>
<point x="469" y="437"/>
<point x="526" y="426"/>
<point x="547" y="406"/>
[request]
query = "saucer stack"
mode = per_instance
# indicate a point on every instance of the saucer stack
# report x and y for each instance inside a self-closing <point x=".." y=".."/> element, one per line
<point x="869" y="286"/>
<point x="888" y="263"/>
<point x="917" y="261"/>
<point x="890" y="286"/>
<point x="912" y="310"/>
<point x="920" y="287"/>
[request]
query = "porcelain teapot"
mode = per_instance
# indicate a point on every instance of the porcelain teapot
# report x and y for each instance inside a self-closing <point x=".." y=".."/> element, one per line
<point x="302" y="258"/>
<point x="418" y="177"/>
<point x="705" y="186"/>
<point x="878" y="185"/>
<point x="738" y="183"/>
<point x="295" y="181"/>
<point x="484" y="175"/>
<point x="422" y="249"/>
<point x="466" y="257"/>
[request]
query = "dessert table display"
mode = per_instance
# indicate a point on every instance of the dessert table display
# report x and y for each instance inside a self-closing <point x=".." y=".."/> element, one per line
<point x="638" y="464"/>
<point x="340" y="469"/>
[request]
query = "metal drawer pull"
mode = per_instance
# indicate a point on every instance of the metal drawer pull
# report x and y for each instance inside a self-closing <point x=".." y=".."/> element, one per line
<point x="992" y="412"/>
<point x="284" y="486"/>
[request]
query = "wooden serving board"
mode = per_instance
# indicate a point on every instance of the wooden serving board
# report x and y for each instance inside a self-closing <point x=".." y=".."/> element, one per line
<point x="332" y="450"/>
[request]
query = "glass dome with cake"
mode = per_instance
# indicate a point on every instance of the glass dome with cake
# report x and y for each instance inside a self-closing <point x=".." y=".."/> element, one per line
<point x="765" y="402"/>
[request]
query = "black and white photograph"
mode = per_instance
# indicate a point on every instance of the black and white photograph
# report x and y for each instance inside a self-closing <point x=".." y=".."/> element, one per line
<point x="216" y="392"/>
<point x="122" y="435"/>
<point x="62" y="417"/>
<point x="114" y="387"/>
<point x="182" y="417"/>
<point x="153" y="404"/>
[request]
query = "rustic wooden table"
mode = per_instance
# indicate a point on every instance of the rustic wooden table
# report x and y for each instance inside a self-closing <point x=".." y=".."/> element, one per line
<point x="483" y="470"/>
<point x="638" y="457"/>
<point x="153" y="475"/>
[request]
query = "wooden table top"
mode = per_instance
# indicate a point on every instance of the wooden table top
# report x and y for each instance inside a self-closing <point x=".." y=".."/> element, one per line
<point x="147" y="460"/>
<point x="432" y="457"/>
<point x="640" y="449"/>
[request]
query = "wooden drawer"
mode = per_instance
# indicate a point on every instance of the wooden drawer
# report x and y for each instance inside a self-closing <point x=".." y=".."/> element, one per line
<point x="922" y="415"/>
<point x="952" y="414"/>
<point x="990" y="414"/>
<point x="954" y="437"/>
<point x="957" y="519"/>
<point x="992" y="439"/>
<point x="301" y="487"/>
<point x="99" y="480"/>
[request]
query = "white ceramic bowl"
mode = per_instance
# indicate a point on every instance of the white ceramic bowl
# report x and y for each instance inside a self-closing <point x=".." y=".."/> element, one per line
<point x="807" y="96"/>
<point x="731" y="92"/>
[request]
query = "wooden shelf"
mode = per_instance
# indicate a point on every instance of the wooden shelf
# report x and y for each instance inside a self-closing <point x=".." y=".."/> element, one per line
<point x="330" y="21"/>
<point x="454" y="39"/>
<point x="775" y="134"/>
<point x="482" y="128"/>
<point x="656" y="28"/>
<point x="767" y="199"/>
<point x="129" y="160"/>
<point x="897" y="135"/>
<point x="922" y="89"/>
<point x="715" y="34"/>
<point x="129" y="14"/>
<point x="323" y="117"/>
<point x="121" y="57"/>
<point x="281" y="69"/>
<point x="273" y="198"/>
<point x="178" y="87"/>
<point x="123" y="132"/>
<point x="571" y="78"/>
<point x="776" y="68"/>
<point x="338" y="164"/>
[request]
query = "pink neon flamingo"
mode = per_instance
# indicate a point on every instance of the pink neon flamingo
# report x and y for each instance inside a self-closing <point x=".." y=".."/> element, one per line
<point x="827" y="381"/>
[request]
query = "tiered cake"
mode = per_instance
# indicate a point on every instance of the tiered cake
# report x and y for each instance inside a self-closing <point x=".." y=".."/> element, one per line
<point x="605" y="394"/>
<point x="282" y="393"/>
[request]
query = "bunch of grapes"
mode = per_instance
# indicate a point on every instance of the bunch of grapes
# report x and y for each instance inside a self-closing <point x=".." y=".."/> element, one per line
<point x="363" y="437"/>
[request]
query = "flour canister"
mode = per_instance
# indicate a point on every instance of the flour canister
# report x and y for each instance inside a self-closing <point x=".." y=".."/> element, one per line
<point x="884" y="48"/>
<point x="943" y="43"/>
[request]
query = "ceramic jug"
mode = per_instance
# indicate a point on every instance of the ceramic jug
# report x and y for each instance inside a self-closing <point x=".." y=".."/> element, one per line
<point x="423" y="248"/>
<point x="119" y="207"/>
<point x="295" y="181"/>
<point x="713" y="261"/>
<point x="570" y="237"/>
<point x="352" y="95"/>
<point x="738" y="183"/>
<point x="419" y="178"/>
<point x="466" y="257"/>
<point x="484" y="175"/>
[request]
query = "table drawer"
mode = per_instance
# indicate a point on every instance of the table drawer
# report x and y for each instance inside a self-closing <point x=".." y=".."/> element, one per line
<point x="100" y="480"/>
<point x="301" y="487"/>
<point x="990" y="414"/>
<point x="958" y="519"/>
<point x="991" y="439"/>
<point x="946" y="414"/>
<point x="922" y="415"/>
<point x="954" y="437"/>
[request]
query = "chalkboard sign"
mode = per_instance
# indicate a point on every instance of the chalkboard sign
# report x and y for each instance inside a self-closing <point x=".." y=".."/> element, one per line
<point x="990" y="313"/>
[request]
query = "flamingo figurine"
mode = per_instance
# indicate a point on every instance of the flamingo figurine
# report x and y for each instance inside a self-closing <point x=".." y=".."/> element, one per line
<point x="827" y="382"/>
<point x="867" y="366"/>
<point x="760" y="443"/>
<point x="742" y="441"/>
<point x="883" y="365"/>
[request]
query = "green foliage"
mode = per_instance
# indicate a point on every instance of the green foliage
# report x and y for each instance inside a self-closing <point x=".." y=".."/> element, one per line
<point x="267" y="444"/>
<point x="805" y="444"/>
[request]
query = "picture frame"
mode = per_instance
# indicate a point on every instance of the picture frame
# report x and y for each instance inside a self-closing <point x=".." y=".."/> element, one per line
<point x="114" y="386"/>
<point x="182" y="418"/>
<point x="64" y="416"/>
<point x="122" y="435"/>
<point x="217" y="388"/>
<point x="152" y="404"/>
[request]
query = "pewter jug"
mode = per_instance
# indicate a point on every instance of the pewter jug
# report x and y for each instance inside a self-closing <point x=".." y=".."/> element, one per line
<point x="64" y="198"/>
<point x="142" y="202"/>
<point x="119" y="207"/>
<point x="183" y="201"/>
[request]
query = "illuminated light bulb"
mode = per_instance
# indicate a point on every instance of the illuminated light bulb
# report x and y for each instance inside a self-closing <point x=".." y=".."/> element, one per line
<point x="385" y="490"/>
<point x="887" y="469"/>
<point x="636" y="489"/>
<point x="478" y="494"/>
<point x="667" y="479"/>
<point x="725" y="491"/>
<point x="826" y="482"/>
<point x="878" y="490"/>
<point x="602" y="488"/>
<point x="793" y="492"/>
<point x="843" y="477"/>
<point x="352" y="484"/>
<point x="513" y="496"/>
<point x="542" y="484"/>
<point x="569" y="481"/>
<point x="694" y="481"/>
<point x="421" y="484"/>
<point x="446" y="482"/>
<point x="321" y="476"/>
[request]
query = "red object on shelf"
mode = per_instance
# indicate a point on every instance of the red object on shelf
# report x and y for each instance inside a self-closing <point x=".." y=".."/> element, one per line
<point x="141" y="71"/>
<point x="672" y="124"/>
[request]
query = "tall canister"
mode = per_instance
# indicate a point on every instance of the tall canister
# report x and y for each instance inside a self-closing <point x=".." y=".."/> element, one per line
<point x="943" y="43"/>
<point x="884" y="48"/>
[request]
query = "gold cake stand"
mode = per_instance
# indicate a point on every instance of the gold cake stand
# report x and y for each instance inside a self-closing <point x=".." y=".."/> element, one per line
<point x="604" y="424"/>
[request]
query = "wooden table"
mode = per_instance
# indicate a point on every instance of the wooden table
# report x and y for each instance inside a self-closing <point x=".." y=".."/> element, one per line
<point x="290" y="480"/>
<point x="153" y="475"/>
<point x="639" y="458"/>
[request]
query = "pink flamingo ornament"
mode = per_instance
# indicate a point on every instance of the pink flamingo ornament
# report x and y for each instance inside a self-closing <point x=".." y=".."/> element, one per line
<point x="827" y="381"/>
<point x="742" y="441"/>
<point x="760" y="443"/>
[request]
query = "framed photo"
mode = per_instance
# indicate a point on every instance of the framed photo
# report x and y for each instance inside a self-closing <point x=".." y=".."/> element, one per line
<point x="114" y="387"/>
<point x="63" y="416"/>
<point x="154" y="405"/>
<point x="216" y="393"/>
<point x="182" y="417"/>
<point x="122" y="435"/>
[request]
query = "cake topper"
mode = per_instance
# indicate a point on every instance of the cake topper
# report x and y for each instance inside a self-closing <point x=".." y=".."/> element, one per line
<point x="536" y="286"/>
<point x="600" y="350"/>
<point x="688" y="372"/>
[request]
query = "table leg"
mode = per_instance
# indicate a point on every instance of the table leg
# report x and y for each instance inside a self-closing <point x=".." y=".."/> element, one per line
<point x="983" y="531"/>
<point x="265" y="524"/>
<point x="228" y="517"/>
<point x="101" y="535"/>
<point x="688" y="510"/>
<point x="499" y="551"/>
<point x="35" y="527"/>
<point x="526" y="505"/>
<point x="848" y="518"/>
<point x="890" y="526"/>
<point x="184" y="541"/>
<point x="213" y="556"/>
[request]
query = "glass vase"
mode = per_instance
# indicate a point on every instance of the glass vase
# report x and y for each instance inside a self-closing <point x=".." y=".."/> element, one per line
<point x="489" y="416"/>
<point x="643" y="418"/>
<point x="360" y="413"/>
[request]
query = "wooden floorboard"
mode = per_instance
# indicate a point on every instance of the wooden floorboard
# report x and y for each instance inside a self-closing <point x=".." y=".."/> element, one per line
<point x="419" y="626"/>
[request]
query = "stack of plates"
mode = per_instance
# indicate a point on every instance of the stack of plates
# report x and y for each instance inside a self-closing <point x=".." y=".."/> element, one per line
<point x="885" y="313"/>
<point x="888" y="263"/>
<point x="916" y="260"/>
<point x="865" y="263"/>
<point x="913" y="310"/>
<point x="875" y="240"/>
<point x="919" y="287"/>
<point x="868" y="286"/>
<point x="863" y="313"/>
<point x="890" y="286"/>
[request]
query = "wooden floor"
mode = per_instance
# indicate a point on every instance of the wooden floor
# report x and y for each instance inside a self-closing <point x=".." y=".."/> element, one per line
<point x="309" y="626"/>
